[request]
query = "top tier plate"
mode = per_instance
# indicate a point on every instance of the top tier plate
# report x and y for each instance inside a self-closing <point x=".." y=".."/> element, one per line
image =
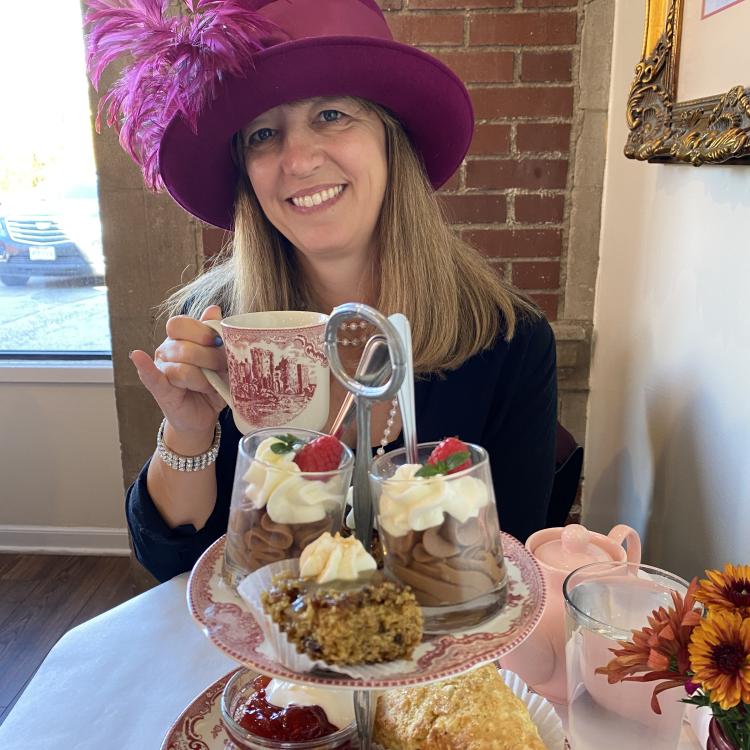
<point x="228" y="623"/>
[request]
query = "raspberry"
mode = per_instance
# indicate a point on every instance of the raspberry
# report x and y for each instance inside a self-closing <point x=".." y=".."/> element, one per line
<point x="321" y="454"/>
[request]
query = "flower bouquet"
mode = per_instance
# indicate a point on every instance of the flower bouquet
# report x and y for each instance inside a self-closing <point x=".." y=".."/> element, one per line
<point x="705" y="650"/>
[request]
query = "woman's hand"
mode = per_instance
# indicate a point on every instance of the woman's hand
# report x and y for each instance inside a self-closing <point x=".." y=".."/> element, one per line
<point x="176" y="382"/>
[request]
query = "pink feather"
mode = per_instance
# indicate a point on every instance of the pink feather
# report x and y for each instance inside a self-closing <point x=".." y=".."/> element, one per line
<point x="174" y="64"/>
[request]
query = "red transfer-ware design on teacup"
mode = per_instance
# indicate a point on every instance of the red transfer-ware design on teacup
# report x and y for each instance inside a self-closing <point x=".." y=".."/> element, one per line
<point x="273" y="375"/>
<point x="233" y="629"/>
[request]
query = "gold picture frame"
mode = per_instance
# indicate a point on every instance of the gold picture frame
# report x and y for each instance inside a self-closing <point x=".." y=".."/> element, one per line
<point x="710" y="130"/>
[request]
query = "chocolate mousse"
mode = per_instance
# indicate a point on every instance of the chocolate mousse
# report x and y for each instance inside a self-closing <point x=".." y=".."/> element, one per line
<point x="278" y="508"/>
<point x="441" y="537"/>
<point x="254" y="540"/>
<point x="448" y="564"/>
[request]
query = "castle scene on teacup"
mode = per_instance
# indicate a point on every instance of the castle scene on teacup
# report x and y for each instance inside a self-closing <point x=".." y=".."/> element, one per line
<point x="274" y="380"/>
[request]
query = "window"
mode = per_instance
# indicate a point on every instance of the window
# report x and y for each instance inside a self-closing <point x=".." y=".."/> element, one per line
<point x="53" y="302"/>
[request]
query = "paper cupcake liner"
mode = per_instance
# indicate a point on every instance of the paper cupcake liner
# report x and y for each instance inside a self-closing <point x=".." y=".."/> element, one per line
<point x="542" y="712"/>
<point x="276" y="642"/>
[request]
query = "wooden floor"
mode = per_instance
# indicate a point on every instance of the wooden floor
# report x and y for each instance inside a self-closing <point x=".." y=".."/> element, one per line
<point x="44" y="596"/>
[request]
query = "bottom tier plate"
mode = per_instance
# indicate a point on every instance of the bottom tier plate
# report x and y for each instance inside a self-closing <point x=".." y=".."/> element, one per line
<point x="199" y="726"/>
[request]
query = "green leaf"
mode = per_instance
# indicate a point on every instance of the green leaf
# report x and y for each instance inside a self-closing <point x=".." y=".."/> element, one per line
<point x="429" y="470"/>
<point x="443" y="467"/>
<point x="286" y="443"/>
<point x="456" y="459"/>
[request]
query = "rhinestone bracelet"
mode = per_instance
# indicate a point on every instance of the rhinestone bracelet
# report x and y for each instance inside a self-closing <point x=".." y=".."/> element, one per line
<point x="187" y="463"/>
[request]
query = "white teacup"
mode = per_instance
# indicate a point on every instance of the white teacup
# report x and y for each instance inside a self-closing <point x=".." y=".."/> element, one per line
<point x="278" y="371"/>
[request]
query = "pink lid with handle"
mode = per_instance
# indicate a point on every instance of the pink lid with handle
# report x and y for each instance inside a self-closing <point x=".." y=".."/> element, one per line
<point x="576" y="546"/>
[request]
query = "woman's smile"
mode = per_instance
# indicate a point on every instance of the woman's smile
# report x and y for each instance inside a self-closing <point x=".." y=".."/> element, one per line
<point x="316" y="199"/>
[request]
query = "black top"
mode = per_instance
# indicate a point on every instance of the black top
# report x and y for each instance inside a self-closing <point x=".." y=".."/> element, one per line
<point x="504" y="399"/>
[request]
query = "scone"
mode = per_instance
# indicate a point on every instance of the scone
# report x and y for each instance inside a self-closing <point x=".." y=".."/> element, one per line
<point x="476" y="711"/>
<point x="341" y="609"/>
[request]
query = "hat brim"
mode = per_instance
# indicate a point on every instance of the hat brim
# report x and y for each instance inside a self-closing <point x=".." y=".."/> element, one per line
<point x="428" y="98"/>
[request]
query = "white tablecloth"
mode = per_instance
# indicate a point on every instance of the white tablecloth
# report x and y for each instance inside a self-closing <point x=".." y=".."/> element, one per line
<point x="120" y="680"/>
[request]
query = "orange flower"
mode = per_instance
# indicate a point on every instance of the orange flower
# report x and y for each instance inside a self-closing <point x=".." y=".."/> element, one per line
<point x="727" y="590"/>
<point x="659" y="650"/>
<point x="720" y="657"/>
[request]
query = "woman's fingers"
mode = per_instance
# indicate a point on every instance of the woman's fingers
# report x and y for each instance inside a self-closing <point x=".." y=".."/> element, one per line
<point x="187" y="377"/>
<point x="189" y="353"/>
<point x="161" y="377"/>
<point x="176" y="366"/>
<point x="215" y="400"/>
<point x="212" y="312"/>
<point x="185" y="328"/>
<point x="150" y="375"/>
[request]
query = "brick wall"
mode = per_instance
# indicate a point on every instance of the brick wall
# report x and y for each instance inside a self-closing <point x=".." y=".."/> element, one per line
<point x="517" y="58"/>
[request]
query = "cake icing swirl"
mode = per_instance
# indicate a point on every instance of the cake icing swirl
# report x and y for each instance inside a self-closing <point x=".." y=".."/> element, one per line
<point x="335" y="558"/>
<point x="410" y="503"/>
<point x="275" y="482"/>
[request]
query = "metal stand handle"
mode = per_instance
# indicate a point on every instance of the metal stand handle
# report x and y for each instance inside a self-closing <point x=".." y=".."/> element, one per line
<point x="365" y="702"/>
<point x="365" y="395"/>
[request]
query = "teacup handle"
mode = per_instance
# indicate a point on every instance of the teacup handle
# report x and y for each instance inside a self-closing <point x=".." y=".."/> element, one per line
<point x="217" y="382"/>
<point x="627" y="535"/>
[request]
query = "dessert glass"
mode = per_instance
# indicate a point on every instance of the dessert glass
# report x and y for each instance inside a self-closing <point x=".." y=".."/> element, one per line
<point x="441" y="536"/>
<point x="238" y="692"/>
<point x="275" y="512"/>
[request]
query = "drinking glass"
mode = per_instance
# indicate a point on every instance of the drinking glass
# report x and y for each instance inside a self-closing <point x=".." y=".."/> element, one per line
<point x="441" y="536"/>
<point x="604" y="603"/>
<point x="276" y="512"/>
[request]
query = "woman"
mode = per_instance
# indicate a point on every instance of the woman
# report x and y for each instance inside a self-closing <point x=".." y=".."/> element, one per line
<point x="320" y="148"/>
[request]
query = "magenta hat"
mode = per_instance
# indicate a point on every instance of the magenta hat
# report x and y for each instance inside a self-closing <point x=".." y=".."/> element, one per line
<point x="298" y="49"/>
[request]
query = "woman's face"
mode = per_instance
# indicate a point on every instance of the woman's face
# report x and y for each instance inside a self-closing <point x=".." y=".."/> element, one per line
<point x="318" y="168"/>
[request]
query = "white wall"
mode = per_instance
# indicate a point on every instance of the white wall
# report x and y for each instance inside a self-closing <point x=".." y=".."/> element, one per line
<point x="60" y="471"/>
<point x="668" y="440"/>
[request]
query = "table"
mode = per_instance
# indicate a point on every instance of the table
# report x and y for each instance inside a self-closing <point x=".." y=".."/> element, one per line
<point x="121" y="679"/>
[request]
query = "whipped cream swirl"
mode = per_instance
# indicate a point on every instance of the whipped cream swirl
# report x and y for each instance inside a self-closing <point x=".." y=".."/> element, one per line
<point x="335" y="558"/>
<point x="411" y="503"/>
<point x="275" y="482"/>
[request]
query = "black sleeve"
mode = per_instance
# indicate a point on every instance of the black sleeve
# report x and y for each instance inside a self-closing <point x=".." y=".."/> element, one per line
<point x="520" y="436"/>
<point x="166" y="552"/>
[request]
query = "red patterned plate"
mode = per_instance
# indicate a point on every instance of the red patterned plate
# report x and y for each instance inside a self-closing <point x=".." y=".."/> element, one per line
<point x="199" y="726"/>
<point x="228" y="623"/>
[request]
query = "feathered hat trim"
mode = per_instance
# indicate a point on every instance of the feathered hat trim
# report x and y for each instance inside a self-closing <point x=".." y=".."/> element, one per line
<point x="174" y="63"/>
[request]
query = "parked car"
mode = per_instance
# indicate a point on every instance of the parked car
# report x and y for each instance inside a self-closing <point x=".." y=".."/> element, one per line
<point x="50" y="237"/>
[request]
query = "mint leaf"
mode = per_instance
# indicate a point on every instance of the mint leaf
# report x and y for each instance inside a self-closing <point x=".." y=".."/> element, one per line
<point x="286" y="443"/>
<point x="428" y="470"/>
<point x="443" y="467"/>
<point x="456" y="459"/>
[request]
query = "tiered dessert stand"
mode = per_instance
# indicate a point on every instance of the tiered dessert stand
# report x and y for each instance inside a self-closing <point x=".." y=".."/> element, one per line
<point x="228" y="622"/>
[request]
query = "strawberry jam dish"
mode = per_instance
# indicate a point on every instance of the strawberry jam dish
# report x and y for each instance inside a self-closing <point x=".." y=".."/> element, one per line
<point x="438" y="523"/>
<point x="289" y="488"/>
<point x="260" y="712"/>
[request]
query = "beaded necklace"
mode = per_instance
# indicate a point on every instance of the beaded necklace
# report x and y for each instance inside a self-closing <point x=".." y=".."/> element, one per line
<point x="360" y="325"/>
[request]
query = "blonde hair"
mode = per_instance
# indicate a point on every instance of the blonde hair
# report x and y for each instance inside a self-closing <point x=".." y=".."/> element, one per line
<point x="455" y="301"/>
